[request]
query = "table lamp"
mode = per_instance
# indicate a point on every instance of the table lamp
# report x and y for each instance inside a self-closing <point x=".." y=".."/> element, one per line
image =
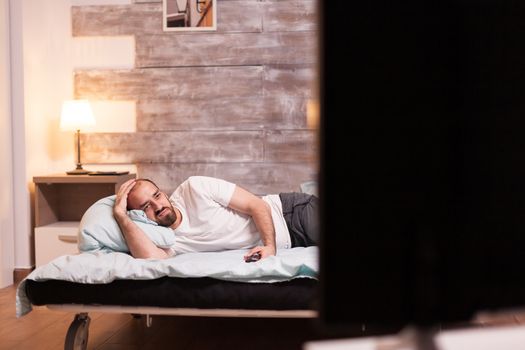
<point x="75" y="115"/>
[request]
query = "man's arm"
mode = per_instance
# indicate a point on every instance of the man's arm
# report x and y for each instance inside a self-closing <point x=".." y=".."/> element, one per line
<point x="139" y="244"/>
<point x="261" y="213"/>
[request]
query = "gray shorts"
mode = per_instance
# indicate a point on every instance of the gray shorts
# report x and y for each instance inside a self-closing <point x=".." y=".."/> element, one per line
<point x="301" y="213"/>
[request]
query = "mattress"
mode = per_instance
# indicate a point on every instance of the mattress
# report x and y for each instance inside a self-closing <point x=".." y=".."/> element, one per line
<point x="175" y="292"/>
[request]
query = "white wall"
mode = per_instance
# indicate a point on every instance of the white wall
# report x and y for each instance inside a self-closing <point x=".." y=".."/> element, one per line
<point x="44" y="55"/>
<point x="7" y="259"/>
<point x="22" y="213"/>
<point x="41" y="78"/>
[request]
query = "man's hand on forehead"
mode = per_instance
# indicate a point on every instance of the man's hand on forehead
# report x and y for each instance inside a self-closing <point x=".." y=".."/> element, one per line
<point x="121" y="201"/>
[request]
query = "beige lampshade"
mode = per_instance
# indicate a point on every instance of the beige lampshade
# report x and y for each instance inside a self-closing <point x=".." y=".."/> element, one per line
<point x="76" y="114"/>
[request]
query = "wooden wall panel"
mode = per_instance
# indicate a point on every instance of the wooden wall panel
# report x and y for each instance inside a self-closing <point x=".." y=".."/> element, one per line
<point x="173" y="146"/>
<point x="228" y="113"/>
<point x="225" y="49"/>
<point x="146" y="18"/>
<point x="163" y="83"/>
<point x="116" y="19"/>
<point x="246" y="16"/>
<point x="289" y="80"/>
<point x="294" y="15"/>
<point x="200" y="146"/>
<point x="148" y="84"/>
<point x="229" y="103"/>
<point x="290" y="146"/>
<point x="243" y="16"/>
<point x="259" y="178"/>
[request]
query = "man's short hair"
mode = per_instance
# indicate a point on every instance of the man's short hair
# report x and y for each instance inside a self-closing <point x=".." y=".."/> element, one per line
<point x="147" y="180"/>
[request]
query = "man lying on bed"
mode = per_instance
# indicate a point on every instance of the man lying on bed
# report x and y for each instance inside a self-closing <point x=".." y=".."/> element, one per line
<point x="210" y="214"/>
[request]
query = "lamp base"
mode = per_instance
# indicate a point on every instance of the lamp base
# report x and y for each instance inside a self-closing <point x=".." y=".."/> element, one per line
<point x="78" y="172"/>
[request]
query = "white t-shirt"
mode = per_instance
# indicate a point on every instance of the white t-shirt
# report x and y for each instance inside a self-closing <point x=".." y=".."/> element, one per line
<point x="209" y="225"/>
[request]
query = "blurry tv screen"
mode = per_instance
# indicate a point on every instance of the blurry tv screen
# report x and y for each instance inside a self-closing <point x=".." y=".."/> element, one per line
<point x="422" y="161"/>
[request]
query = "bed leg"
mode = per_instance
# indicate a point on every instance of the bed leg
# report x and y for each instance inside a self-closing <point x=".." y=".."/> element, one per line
<point x="149" y="320"/>
<point x="78" y="332"/>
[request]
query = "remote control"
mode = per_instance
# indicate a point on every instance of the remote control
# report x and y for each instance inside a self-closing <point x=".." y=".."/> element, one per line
<point x="252" y="258"/>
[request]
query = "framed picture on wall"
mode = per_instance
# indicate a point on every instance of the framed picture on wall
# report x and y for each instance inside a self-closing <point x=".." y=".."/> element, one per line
<point x="189" y="15"/>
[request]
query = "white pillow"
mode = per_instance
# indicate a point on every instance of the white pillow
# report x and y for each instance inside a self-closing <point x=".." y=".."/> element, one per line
<point x="100" y="231"/>
<point x="309" y="187"/>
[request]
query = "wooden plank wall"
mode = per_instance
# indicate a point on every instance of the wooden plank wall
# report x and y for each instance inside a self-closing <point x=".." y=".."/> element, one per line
<point x="230" y="103"/>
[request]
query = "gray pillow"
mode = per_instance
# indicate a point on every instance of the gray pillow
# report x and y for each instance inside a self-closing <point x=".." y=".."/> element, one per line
<point x="100" y="231"/>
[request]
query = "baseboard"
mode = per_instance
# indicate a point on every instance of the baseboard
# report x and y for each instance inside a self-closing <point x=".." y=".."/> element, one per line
<point x="20" y="274"/>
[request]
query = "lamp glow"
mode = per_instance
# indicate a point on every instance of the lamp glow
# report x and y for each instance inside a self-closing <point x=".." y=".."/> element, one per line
<point x="75" y="115"/>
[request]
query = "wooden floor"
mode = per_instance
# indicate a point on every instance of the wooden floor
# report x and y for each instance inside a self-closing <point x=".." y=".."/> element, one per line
<point x="46" y="329"/>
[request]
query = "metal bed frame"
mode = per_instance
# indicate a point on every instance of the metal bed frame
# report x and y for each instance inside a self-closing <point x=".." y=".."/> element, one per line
<point x="78" y="332"/>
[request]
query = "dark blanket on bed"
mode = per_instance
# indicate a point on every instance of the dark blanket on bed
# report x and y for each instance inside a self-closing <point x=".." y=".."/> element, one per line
<point x="295" y="294"/>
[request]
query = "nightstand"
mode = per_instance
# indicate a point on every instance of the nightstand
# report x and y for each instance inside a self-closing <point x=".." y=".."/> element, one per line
<point x="60" y="202"/>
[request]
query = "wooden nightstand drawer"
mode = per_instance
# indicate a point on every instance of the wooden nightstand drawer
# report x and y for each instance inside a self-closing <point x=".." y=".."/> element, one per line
<point x="51" y="241"/>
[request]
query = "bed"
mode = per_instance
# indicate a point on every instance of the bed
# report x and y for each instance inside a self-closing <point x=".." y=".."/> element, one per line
<point x="193" y="284"/>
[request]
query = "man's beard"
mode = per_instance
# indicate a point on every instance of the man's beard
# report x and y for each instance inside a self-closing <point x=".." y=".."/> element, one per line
<point x="168" y="219"/>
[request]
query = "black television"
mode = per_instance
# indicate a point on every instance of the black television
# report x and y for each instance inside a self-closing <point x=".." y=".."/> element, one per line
<point x="422" y="162"/>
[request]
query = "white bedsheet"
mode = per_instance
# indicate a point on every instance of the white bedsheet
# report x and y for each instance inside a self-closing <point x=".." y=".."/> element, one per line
<point x="228" y="265"/>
